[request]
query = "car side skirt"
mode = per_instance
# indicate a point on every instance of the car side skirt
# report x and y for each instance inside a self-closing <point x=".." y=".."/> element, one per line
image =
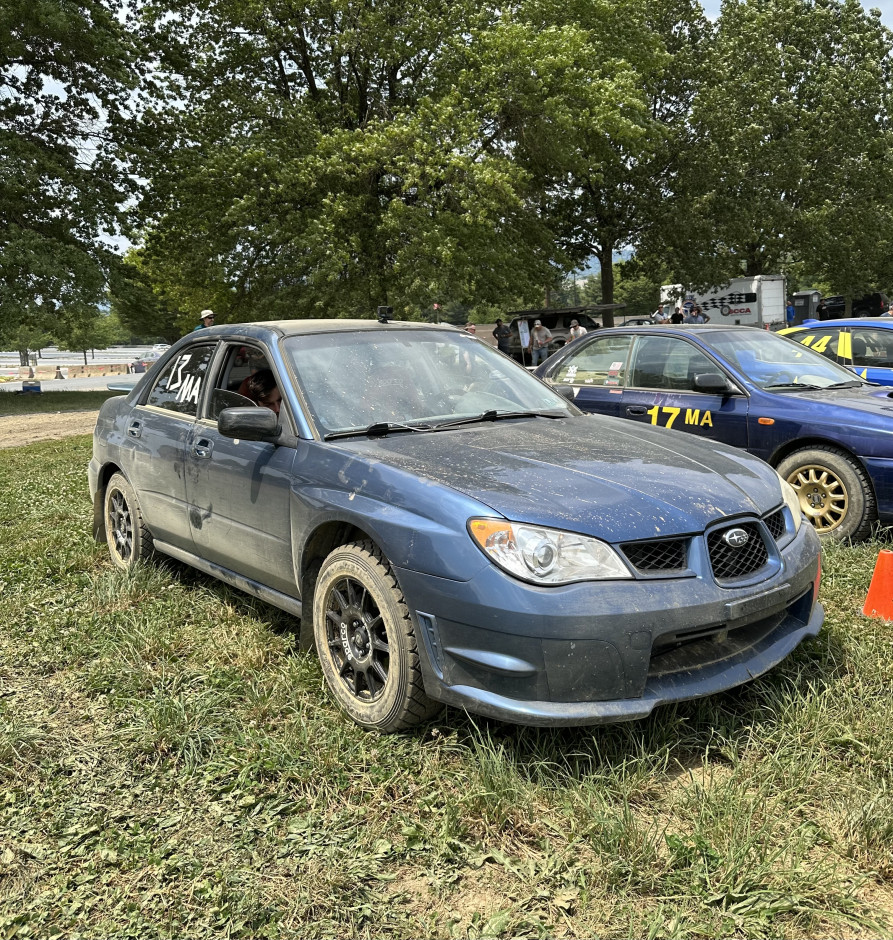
<point x="283" y="601"/>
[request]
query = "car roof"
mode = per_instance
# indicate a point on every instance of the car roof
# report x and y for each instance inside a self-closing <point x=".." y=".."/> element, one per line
<point x="304" y="327"/>
<point x="681" y="328"/>
<point x="885" y="323"/>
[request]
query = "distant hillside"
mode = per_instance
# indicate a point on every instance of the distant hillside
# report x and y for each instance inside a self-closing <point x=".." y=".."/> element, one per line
<point x="593" y="267"/>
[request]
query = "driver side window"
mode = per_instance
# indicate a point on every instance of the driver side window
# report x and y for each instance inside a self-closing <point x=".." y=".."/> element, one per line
<point x="245" y="379"/>
<point x="668" y="362"/>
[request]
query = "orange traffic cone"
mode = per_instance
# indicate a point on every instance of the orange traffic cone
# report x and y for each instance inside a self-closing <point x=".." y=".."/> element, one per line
<point x="879" y="602"/>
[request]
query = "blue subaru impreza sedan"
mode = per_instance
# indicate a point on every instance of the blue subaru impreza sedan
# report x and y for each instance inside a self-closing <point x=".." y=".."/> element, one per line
<point x="451" y="530"/>
<point x="826" y="431"/>
<point x="862" y="344"/>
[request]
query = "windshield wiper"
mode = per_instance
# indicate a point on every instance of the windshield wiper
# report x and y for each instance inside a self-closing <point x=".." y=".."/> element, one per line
<point x="794" y="385"/>
<point x="853" y="383"/>
<point x="380" y="429"/>
<point x="497" y="416"/>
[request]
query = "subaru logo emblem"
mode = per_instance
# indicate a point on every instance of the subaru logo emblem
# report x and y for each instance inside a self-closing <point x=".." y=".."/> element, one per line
<point x="736" y="538"/>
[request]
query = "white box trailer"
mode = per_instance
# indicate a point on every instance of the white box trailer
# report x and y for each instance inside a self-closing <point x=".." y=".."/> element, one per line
<point x="752" y="301"/>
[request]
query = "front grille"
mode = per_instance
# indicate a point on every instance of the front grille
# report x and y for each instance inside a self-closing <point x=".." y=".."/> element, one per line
<point x="728" y="562"/>
<point x="775" y="524"/>
<point x="659" y="556"/>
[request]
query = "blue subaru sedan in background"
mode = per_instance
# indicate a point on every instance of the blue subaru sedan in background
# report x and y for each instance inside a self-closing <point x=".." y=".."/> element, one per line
<point x="864" y="345"/>
<point x="828" y="433"/>
<point x="451" y="530"/>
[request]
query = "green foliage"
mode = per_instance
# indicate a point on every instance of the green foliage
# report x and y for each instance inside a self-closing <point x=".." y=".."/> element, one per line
<point x="65" y="74"/>
<point x="143" y="306"/>
<point x="791" y="157"/>
<point x="638" y="289"/>
<point x="610" y="163"/>
<point x="306" y="163"/>
<point x="321" y="160"/>
<point x="171" y="766"/>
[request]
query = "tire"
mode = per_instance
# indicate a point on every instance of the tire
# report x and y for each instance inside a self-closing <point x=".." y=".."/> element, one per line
<point x="834" y="491"/>
<point x="366" y="642"/>
<point x="128" y="539"/>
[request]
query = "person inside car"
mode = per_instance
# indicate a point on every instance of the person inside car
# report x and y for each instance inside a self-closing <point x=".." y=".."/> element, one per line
<point x="262" y="389"/>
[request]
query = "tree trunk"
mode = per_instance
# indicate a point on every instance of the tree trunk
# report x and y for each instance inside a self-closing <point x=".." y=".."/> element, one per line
<point x="23" y="357"/>
<point x="85" y="357"/>
<point x="606" y="264"/>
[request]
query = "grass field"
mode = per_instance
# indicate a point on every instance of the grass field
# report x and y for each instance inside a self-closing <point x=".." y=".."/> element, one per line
<point x="49" y="402"/>
<point x="172" y="767"/>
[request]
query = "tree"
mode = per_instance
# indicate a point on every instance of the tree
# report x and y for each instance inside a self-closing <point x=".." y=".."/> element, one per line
<point x="607" y="154"/>
<point x="140" y="299"/>
<point x="793" y="141"/>
<point x="316" y="160"/>
<point x="65" y="72"/>
<point x="87" y="328"/>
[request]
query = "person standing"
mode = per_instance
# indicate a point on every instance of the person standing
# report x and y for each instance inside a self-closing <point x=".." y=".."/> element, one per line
<point x="540" y="337"/>
<point x="659" y="315"/>
<point x="790" y="313"/>
<point x="501" y="334"/>
<point x="576" y="331"/>
<point x="676" y="316"/>
<point x="206" y="319"/>
<point x="471" y="328"/>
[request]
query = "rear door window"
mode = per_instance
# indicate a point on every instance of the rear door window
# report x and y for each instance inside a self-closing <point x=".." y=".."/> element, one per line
<point x="600" y="362"/>
<point x="832" y="342"/>
<point x="180" y="385"/>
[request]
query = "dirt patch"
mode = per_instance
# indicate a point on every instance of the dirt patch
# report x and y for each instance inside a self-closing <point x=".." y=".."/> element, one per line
<point x="19" y="430"/>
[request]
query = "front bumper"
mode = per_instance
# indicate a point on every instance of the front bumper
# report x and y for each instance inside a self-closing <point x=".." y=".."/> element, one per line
<point x="594" y="653"/>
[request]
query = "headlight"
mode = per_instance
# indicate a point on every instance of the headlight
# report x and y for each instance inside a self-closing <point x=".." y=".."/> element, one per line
<point x="545" y="556"/>
<point x="792" y="501"/>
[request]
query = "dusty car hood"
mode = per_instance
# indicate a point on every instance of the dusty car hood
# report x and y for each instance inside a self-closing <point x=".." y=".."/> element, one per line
<point x="592" y="474"/>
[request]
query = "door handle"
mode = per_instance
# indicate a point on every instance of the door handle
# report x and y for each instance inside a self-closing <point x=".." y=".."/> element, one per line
<point x="636" y="410"/>
<point x="202" y="448"/>
<point x="135" y="429"/>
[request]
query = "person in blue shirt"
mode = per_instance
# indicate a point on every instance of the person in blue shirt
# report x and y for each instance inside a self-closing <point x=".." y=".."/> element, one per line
<point x="205" y="319"/>
<point x="790" y="312"/>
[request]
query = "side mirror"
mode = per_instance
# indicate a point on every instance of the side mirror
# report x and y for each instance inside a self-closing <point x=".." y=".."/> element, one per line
<point x="565" y="391"/>
<point x="249" y="424"/>
<point x="714" y="382"/>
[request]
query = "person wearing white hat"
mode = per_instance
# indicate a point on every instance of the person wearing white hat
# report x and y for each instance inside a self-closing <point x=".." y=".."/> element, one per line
<point x="206" y="318"/>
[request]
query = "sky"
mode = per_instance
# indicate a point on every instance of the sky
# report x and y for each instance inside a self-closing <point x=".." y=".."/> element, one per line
<point x="711" y="8"/>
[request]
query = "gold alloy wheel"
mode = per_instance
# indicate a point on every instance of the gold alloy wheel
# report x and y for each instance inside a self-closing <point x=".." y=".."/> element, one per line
<point x="823" y="496"/>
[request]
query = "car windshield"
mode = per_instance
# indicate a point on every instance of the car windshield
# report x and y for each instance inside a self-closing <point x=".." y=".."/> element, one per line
<point x="418" y="379"/>
<point x="776" y="363"/>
